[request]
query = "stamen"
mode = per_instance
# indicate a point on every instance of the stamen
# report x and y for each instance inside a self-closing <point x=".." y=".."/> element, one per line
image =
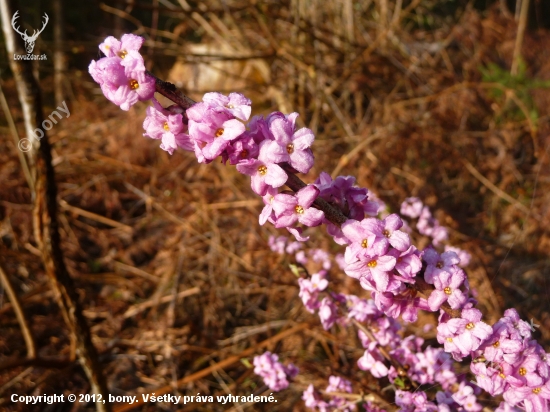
<point x="262" y="170"/>
<point x="470" y="326"/>
<point x="365" y="243"/>
<point x="219" y="132"/>
<point x="134" y="84"/>
<point x="122" y="54"/>
<point x="439" y="264"/>
<point x="522" y="371"/>
<point x="386" y="233"/>
<point x="448" y="290"/>
<point x="299" y="209"/>
<point x="290" y="148"/>
<point x="372" y="264"/>
<point x="166" y="127"/>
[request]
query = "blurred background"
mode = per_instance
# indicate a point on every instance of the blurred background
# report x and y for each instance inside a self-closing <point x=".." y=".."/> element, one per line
<point x="446" y="100"/>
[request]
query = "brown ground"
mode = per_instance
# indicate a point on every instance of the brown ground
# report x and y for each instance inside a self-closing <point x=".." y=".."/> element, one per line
<point x="408" y="113"/>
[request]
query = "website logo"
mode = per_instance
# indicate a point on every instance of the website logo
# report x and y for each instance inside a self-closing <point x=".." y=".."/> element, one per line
<point x="29" y="40"/>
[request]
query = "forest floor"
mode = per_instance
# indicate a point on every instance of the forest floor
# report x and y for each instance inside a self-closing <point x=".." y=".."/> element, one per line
<point x="174" y="271"/>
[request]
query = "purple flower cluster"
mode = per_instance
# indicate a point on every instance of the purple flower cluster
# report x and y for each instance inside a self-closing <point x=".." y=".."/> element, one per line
<point x="506" y="360"/>
<point x="214" y="125"/>
<point x="309" y="293"/>
<point x="511" y="363"/>
<point x="382" y="258"/>
<point x="257" y="150"/>
<point x="121" y="74"/>
<point x="426" y="225"/>
<point x="273" y="372"/>
<point x="353" y="201"/>
<point x="463" y="256"/>
<point x="425" y="365"/>
<point x="313" y="400"/>
<point x="215" y="129"/>
<point x="378" y="253"/>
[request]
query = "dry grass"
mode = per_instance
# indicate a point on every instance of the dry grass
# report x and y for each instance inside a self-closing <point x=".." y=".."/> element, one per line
<point x="170" y="263"/>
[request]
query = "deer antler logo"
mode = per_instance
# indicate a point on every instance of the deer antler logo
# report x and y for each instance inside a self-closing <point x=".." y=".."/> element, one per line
<point x="29" y="40"/>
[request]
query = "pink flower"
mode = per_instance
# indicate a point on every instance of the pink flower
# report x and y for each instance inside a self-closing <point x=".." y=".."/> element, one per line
<point x="338" y="384"/>
<point x="397" y="238"/>
<point x="489" y="378"/>
<point x="128" y="43"/>
<point x="463" y="256"/>
<point x="535" y="398"/>
<point x="372" y="362"/>
<point x="296" y="144"/>
<point x="416" y="401"/>
<point x="447" y="286"/>
<point x="313" y="400"/>
<point x="463" y="335"/>
<point x="211" y="131"/>
<point x="235" y="104"/>
<point x="161" y="124"/>
<point x="267" y="211"/>
<point x="411" y="207"/>
<point x="429" y="226"/>
<point x="437" y="264"/>
<point x="243" y="148"/>
<point x="274" y="373"/>
<point x="277" y="244"/>
<point x="264" y="172"/>
<point x="328" y="313"/>
<point x="408" y="263"/>
<point x="290" y="209"/>
<point x="121" y="75"/>
<point x="372" y="271"/>
<point x="366" y="238"/>
<point x="465" y="396"/>
<point x="341" y="192"/>
<point x="309" y="290"/>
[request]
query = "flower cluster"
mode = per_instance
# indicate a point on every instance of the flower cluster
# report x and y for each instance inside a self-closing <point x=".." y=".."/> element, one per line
<point x="425" y="365"/>
<point x="426" y="225"/>
<point x="313" y="400"/>
<point x="121" y="74"/>
<point x="378" y="252"/>
<point x="274" y="373"/>
<point x="382" y="258"/>
<point x="511" y="363"/>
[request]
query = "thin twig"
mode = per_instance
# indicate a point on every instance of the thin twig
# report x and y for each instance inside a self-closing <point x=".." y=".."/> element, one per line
<point x="136" y="271"/>
<point x="14" y="299"/>
<point x="17" y="142"/>
<point x="519" y="37"/>
<point x="140" y="307"/>
<point x="98" y="218"/>
<point x="500" y="193"/>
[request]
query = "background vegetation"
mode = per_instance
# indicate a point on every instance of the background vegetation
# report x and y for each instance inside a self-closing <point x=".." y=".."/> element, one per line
<point x="411" y="97"/>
